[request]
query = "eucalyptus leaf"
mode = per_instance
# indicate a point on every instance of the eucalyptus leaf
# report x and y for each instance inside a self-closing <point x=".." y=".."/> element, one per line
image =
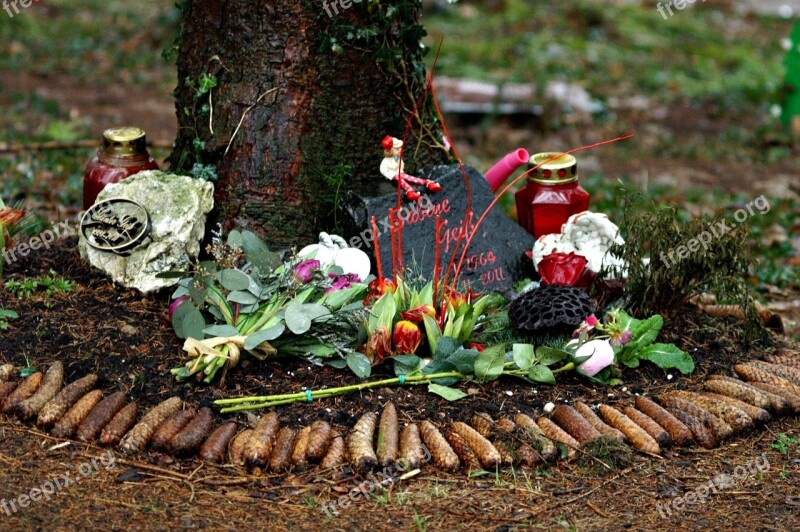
<point x="451" y="394"/>
<point x="242" y="297"/>
<point x="489" y="364"/>
<point x="221" y="330"/>
<point x="265" y="335"/>
<point x="315" y="311"/>
<point x="523" y="355"/>
<point x="541" y="373"/>
<point x="171" y="275"/>
<point x="359" y="364"/>
<point x="193" y="324"/>
<point x="233" y="280"/>
<point x="178" y="316"/>
<point x="296" y="319"/>
<point x="235" y="238"/>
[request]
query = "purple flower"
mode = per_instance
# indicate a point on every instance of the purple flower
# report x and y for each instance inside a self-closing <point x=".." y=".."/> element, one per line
<point x="340" y="282"/>
<point x="304" y="271"/>
<point x="177" y="302"/>
<point x="621" y="338"/>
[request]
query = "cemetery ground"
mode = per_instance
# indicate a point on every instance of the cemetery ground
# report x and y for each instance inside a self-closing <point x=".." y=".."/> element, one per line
<point x="693" y="89"/>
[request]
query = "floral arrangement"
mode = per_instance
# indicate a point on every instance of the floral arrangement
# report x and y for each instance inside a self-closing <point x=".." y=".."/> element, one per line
<point x="248" y="299"/>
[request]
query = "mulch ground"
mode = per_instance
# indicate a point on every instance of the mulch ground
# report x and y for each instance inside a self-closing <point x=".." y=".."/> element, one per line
<point x="127" y="340"/>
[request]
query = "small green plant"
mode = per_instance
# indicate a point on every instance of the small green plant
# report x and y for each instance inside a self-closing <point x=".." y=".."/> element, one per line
<point x="672" y="260"/>
<point x="6" y="315"/>
<point x="784" y="444"/>
<point x="29" y="369"/>
<point x="48" y="285"/>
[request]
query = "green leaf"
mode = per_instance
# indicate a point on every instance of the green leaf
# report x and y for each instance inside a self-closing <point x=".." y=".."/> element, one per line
<point x="541" y="373"/>
<point x="489" y="364"/>
<point x="405" y="364"/>
<point x="338" y="363"/>
<point x="548" y="356"/>
<point x="221" y="330"/>
<point x="315" y="311"/>
<point x="171" y="275"/>
<point x="178" y="316"/>
<point x="645" y="332"/>
<point x="234" y="280"/>
<point x="265" y="335"/>
<point x="359" y="364"/>
<point x="242" y="297"/>
<point x="667" y="356"/>
<point x="451" y="394"/>
<point x="523" y="355"/>
<point x="193" y="324"/>
<point x="431" y="331"/>
<point x="464" y="361"/>
<point x="445" y="347"/>
<point x="296" y="319"/>
<point x="235" y="238"/>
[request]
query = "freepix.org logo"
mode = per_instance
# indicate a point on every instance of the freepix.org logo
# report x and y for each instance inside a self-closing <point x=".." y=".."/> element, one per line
<point x="12" y="7"/>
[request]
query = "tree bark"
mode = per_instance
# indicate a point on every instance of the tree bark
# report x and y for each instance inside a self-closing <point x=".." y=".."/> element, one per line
<point x="303" y="97"/>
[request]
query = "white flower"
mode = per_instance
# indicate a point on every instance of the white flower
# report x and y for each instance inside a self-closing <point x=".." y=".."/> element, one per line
<point x="600" y="353"/>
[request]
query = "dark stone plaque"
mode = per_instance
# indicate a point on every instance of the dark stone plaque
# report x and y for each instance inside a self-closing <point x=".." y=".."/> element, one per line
<point x="496" y="256"/>
<point x="115" y="225"/>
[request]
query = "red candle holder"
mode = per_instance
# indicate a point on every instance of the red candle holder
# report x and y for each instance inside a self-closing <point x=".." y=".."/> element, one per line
<point x="551" y="195"/>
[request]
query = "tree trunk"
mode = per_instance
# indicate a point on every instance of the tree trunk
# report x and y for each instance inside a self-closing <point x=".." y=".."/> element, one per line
<point x="289" y="101"/>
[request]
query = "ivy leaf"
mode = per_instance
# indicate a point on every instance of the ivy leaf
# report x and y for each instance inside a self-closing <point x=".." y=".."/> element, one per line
<point x="667" y="356"/>
<point x="541" y="373"/>
<point x="296" y="319"/>
<point x="359" y="364"/>
<point x="451" y="394"/>
<point x="489" y="364"/>
<point x="523" y="355"/>
<point x="234" y="280"/>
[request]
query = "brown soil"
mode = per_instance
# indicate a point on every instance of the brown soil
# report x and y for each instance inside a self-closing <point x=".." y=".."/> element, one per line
<point x="125" y="338"/>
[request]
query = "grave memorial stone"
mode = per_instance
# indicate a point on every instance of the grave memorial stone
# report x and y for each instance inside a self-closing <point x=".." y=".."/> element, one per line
<point x="496" y="256"/>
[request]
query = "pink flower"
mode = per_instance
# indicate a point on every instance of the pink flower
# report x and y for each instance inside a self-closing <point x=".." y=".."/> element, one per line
<point x="304" y="271"/>
<point x="600" y="353"/>
<point x="177" y="302"/>
<point x="340" y="282"/>
<point x="587" y="326"/>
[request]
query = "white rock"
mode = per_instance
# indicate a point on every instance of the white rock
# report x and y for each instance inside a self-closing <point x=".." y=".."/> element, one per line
<point x="549" y="407"/>
<point x="178" y="206"/>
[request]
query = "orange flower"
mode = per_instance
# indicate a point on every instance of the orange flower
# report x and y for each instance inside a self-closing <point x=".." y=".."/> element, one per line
<point x="415" y="314"/>
<point x="379" y="345"/>
<point x="406" y="337"/>
<point x="377" y="288"/>
<point x="9" y="217"/>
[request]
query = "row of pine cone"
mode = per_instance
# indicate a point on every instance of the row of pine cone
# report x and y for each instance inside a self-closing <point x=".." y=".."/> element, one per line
<point x="726" y="406"/>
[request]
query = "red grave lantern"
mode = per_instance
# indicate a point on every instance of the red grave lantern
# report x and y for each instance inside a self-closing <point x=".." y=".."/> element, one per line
<point x="551" y="195"/>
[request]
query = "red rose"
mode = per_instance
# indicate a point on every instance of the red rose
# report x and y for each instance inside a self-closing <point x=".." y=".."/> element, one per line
<point x="565" y="269"/>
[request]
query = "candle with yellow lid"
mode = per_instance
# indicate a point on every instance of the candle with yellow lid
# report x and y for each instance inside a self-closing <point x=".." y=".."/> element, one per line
<point x="123" y="153"/>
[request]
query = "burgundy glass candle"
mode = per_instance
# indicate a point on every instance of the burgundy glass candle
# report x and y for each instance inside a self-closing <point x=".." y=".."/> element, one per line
<point x="123" y="153"/>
